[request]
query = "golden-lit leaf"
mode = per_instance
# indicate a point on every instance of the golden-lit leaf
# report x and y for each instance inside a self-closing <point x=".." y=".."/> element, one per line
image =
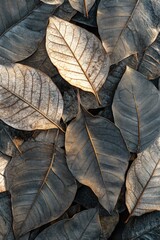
<point x="59" y="2"/>
<point x="82" y="6"/>
<point x="4" y="160"/>
<point x="28" y="98"/>
<point x="41" y="186"/>
<point x="127" y="27"/>
<point x="143" y="189"/>
<point x="136" y="108"/>
<point x="78" y="55"/>
<point x="97" y="156"/>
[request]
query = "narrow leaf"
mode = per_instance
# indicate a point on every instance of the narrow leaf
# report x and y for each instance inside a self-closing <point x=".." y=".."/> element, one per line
<point x="41" y="186"/>
<point x="28" y="98"/>
<point x="143" y="190"/>
<point x="127" y="27"/>
<point x="78" y="55"/>
<point x="97" y="156"/>
<point x="136" y="108"/>
<point x="84" y="225"/>
<point x="22" y="27"/>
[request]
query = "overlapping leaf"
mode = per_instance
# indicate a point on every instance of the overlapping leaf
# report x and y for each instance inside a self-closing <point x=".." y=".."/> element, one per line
<point x="149" y="64"/>
<point x="84" y="225"/>
<point x="6" y="231"/>
<point x="22" y="27"/>
<point x="136" y="109"/>
<point x="78" y="55"/>
<point x="28" y="98"/>
<point x="143" y="190"/>
<point x="4" y="160"/>
<point x="146" y="227"/>
<point x="37" y="179"/>
<point x="59" y="2"/>
<point x="97" y="156"/>
<point x="127" y="27"/>
<point x="82" y="6"/>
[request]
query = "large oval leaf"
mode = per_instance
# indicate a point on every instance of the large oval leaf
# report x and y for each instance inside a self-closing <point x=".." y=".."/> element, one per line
<point x="84" y="225"/>
<point x="97" y="156"/>
<point x="146" y="227"/>
<point x="82" y="6"/>
<point x="41" y="186"/>
<point x="22" y="27"/>
<point x="28" y="98"/>
<point x="78" y="55"/>
<point x="136" y="108"/>
<point x="6" y="231"/>
<point x="143" y="190"/>
<point x="127" y="27"/>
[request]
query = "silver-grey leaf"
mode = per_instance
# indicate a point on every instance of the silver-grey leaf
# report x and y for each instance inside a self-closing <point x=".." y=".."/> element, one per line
<point x="136" y="108"/>
<point x="83" y="226"/>
<point x="127" y="27"/>
<point x="149" y="64"/>
<point x="142" y="183"/>
<point x="6" y="231"/>
<point x="22" y="27"/>
<point x="41" y="186"/>
<point x="145" y="227"/>
<point x="97" y="156"/>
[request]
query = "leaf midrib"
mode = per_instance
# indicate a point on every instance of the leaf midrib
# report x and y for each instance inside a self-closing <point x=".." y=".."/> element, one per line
<point x="35" y="108"/>
<point x="131" y="16"/>
<point x="42" y="185"/>
<point x="93" y="88"/>
<point x="89" y="136"/>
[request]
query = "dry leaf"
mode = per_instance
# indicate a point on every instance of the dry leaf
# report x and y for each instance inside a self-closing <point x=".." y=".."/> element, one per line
<point x="78" y="55"/>
<point x="136" y="108"/>
<point x="97" y="156"/>
<point x="28" y="98"/>
<point x="127" y="27"/>
<point x="142" y="183"/>
<point x="37" y="179"/>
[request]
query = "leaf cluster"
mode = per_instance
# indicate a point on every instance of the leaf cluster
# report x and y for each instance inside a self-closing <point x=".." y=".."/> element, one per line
<point x="79" y="110"/>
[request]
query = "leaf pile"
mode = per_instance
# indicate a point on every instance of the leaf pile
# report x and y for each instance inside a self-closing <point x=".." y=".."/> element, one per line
<point x="80" y="119"/>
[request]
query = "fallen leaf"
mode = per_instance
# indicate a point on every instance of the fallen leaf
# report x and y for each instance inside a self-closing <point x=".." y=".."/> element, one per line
<point x="142" y="183"/>
<point x="84" y="225"/>
<point x="29" y="99"/>
<point x="97" y="156"/>
<point x="136" y="108"/>
<point x="143" y="227"/>
<point x="4" y="160"/>
<point x="22" y="27"/>
<point x="37" y="179"/>
<point x="82" y="6"/>
<point x="127" y="27"/>
<point x="6" y="231"/>
<point x="80" y="60"/>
